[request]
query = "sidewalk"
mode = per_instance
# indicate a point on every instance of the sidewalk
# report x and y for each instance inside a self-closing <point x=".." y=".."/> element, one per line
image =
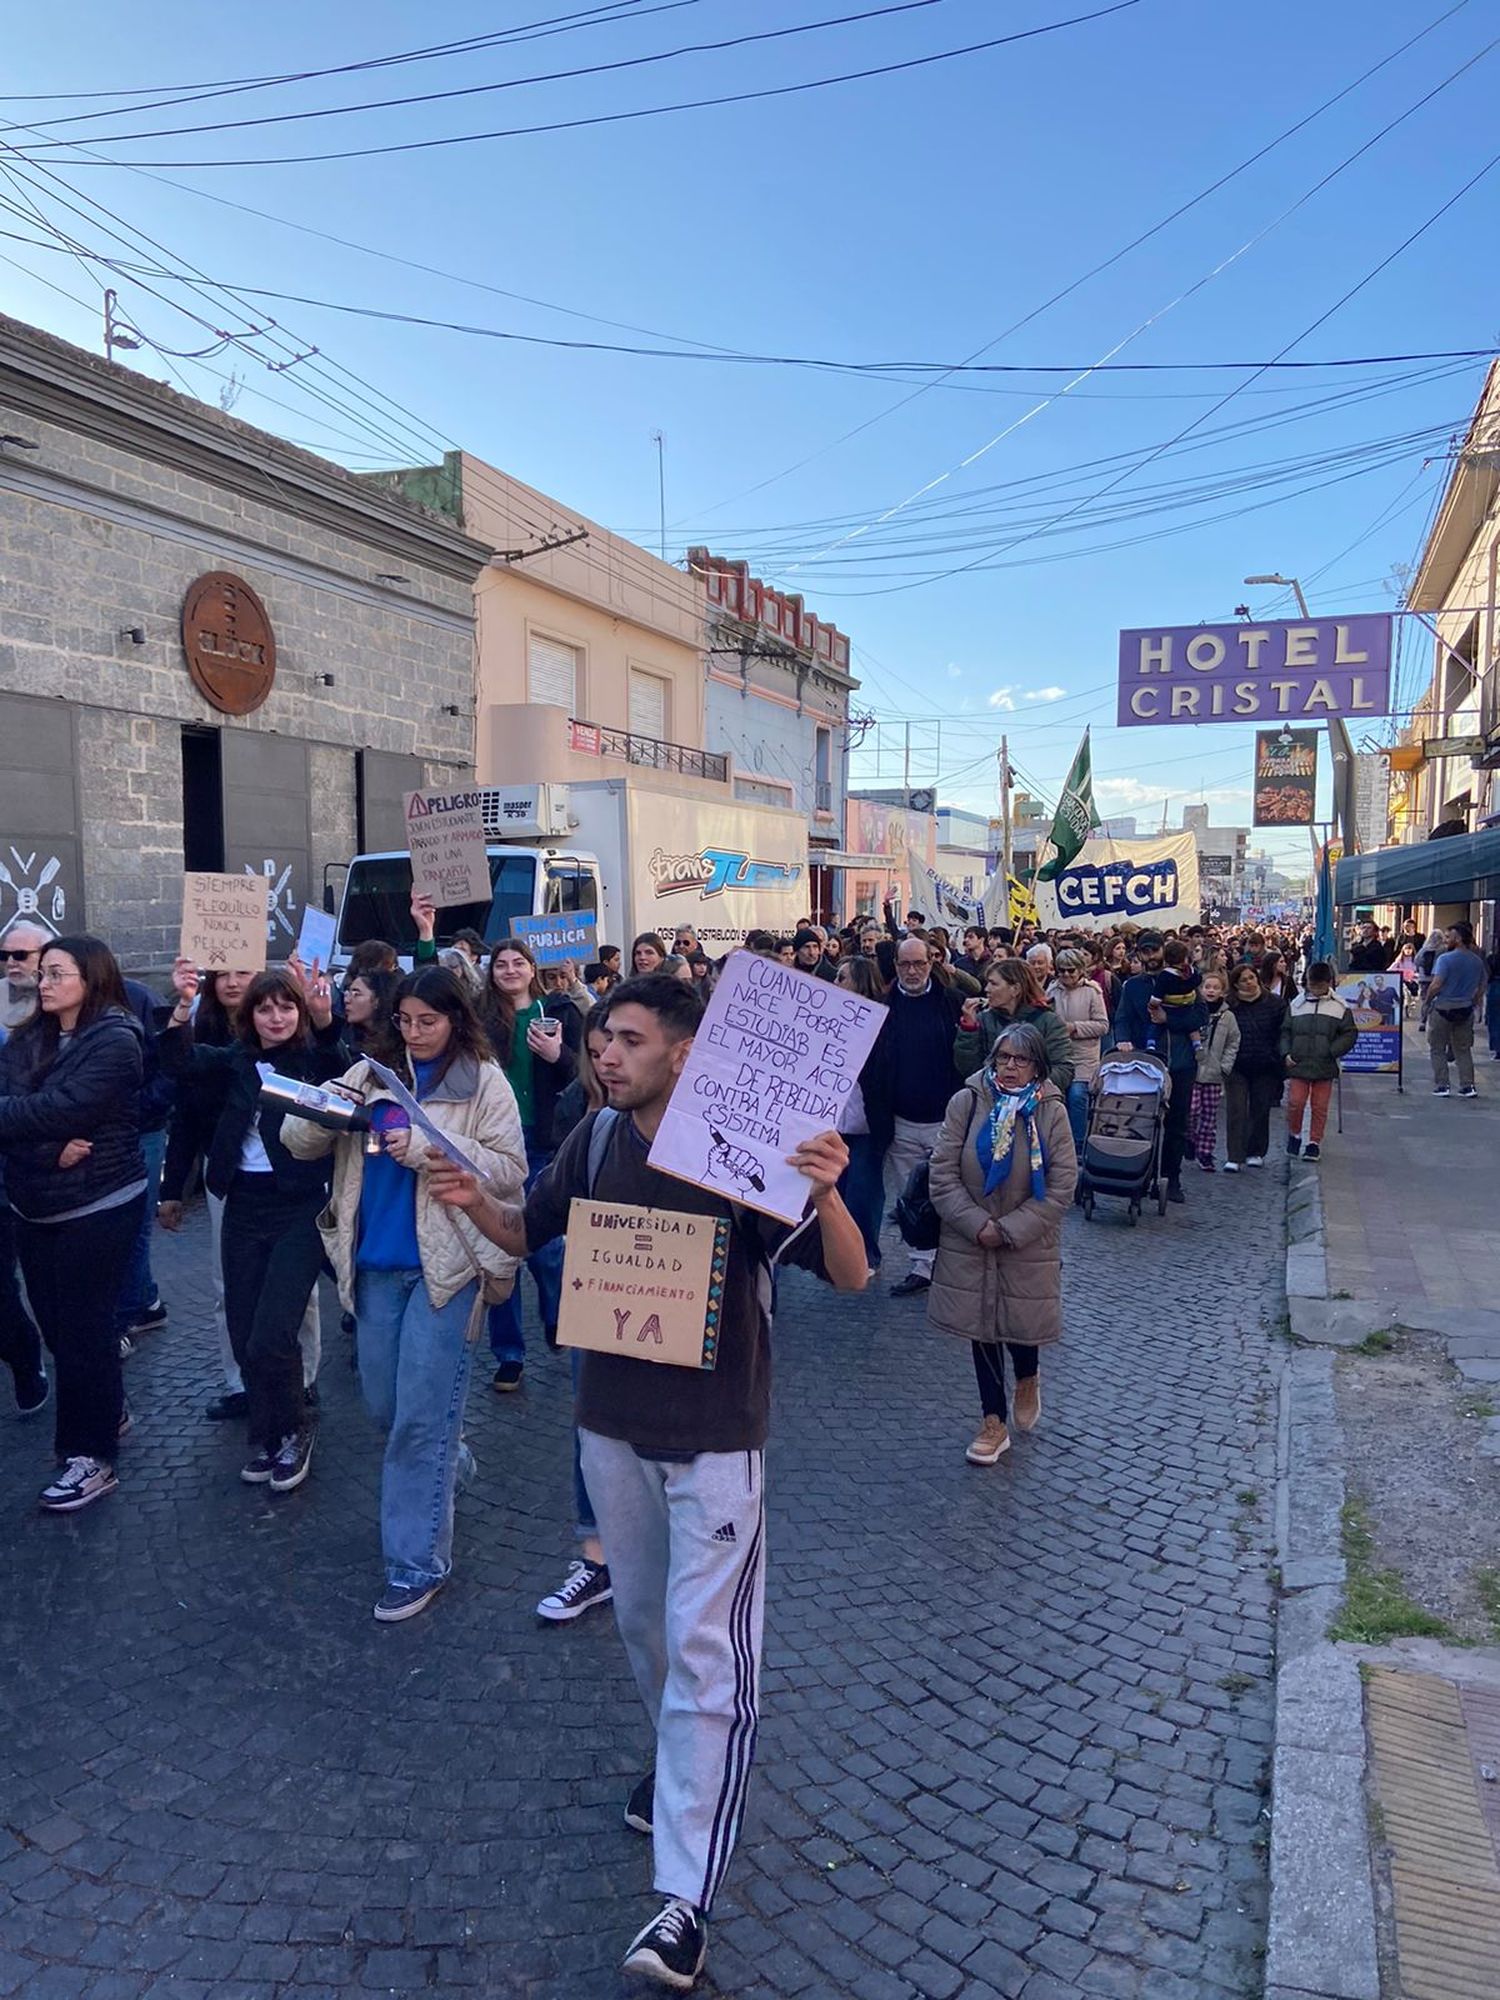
<point x="1386" y="1836"/>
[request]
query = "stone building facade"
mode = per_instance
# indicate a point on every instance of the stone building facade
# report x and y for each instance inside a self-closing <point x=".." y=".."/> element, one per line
<point x="117" y="771"/>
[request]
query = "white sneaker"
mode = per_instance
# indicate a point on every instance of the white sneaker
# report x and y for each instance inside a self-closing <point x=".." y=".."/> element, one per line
<point x="79" y="1484"/>
<point x="1255" y="1160"/>
<point x="1231" y="1166"/>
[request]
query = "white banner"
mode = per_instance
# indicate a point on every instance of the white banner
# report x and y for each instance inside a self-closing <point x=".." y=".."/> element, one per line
<point x="1152" y="883"/>
<point x="724" y="869"/>
<point x="937" y="899"/>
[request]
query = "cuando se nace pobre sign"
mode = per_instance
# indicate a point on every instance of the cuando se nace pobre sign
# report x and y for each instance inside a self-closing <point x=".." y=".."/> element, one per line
<point x="1276" y="670"/>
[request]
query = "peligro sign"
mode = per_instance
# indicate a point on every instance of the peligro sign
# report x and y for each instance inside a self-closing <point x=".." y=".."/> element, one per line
<point x="1280" y="668"/>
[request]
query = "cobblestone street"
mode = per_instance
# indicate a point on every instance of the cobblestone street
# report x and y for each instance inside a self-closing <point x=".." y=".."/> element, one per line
<point x="1015" y="1721"/>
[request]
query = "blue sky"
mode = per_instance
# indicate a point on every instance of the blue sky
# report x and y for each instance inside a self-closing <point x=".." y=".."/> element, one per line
<point x="912" y="216"/>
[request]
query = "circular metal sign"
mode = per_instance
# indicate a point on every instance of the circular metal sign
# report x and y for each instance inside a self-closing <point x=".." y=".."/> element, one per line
<point x="230" y="647"/>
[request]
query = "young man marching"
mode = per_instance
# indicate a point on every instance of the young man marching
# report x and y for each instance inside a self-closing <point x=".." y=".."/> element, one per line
<point x="673" y="1458"/>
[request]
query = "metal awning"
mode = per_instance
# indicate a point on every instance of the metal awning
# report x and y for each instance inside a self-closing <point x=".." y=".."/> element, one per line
<point x="1463" y="869"/>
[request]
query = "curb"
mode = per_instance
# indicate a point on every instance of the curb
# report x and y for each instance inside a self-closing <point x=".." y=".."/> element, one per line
<point x="1321" y="1934"/>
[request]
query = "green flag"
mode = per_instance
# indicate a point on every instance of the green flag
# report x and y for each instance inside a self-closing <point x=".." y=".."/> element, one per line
<point x="1075" y="819"/>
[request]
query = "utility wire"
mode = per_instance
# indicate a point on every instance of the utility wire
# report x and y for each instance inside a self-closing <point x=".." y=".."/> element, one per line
<point x="624" y="117"/>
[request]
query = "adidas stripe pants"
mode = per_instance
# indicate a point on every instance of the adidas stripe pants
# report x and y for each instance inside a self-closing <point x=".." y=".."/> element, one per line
<point x="685" y="1544"/>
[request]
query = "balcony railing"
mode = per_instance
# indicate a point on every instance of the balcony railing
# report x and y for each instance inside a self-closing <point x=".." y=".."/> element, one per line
<point x="650" y="752"/>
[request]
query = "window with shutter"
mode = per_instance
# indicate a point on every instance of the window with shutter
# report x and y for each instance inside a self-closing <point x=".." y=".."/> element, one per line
<point x="552" y="673"/>
<point x="648" y="705"/>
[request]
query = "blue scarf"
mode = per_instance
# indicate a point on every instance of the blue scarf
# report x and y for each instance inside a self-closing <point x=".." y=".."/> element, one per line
<point x="996" y="1138"/>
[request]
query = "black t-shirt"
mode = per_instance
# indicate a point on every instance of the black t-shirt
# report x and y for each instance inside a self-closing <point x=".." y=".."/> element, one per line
<point x="667" y="1412"/>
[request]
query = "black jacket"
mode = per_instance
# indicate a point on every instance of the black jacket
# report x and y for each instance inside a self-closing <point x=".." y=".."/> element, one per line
<point x="181" y="1056"/>
<point x="1261" y="1022"/>
<point x="156" y="1089"/>
<point x="91" y="1091"/>
<point x="1372" y="957"/>
<point x="197" y="1100"/>
<point x="877" y="1080"/>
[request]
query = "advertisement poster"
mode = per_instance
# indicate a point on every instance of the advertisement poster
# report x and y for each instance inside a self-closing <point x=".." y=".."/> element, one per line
<point x="725" y="870"/>
<point x="1374" y="998"/>
<point x="773" y="1063"/>
<point x="1286" y="777"/>
<point x="1150" y="883"/>
<point x="645" y="1282"/>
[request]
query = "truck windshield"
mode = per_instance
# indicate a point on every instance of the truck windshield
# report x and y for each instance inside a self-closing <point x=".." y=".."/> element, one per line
<point x="377" y="902"/>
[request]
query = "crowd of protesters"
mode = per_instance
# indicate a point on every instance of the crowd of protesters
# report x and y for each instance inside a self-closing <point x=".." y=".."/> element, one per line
<point x="974" y="1105"/>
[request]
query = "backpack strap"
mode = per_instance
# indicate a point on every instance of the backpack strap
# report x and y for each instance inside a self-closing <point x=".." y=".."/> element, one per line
<point x="600" y="1133"/>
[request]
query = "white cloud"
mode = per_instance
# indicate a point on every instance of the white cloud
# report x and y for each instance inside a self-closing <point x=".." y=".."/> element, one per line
<point x="955" y="673"/>
<point x="1127" y="792"/>
<point x="1003" y="698"/>
<point x="1044" y="694"/>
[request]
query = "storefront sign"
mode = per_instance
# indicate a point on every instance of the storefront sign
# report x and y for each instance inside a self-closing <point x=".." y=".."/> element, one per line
<point x="1286" y="777"/>
<point x="230" y="647"/>
<point x="446" y="840"/>
<point x="773" y="1063"/>
<point x="559" y="940"/>
<point x="1374" y="999"/>
<point x="643" y="1282"/>
<point x="1281" y="669"/>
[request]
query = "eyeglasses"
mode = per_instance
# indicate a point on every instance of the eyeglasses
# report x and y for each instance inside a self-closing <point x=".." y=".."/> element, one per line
<point x="20" y="957"/>
<point x="54" y="975"/>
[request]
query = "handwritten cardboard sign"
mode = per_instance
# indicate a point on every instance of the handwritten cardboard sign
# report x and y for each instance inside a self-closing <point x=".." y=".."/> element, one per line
<point x="224" y="920"/>
<point x="315" y="939"/>
<point x="446" y="840"/>
<point x="643" y="1282"/>
<point x="559" y="940"/>
<point x="773" y="1063"/>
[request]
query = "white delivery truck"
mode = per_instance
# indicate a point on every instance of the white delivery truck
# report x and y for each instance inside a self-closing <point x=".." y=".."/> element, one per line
<point x="637" y="858"/>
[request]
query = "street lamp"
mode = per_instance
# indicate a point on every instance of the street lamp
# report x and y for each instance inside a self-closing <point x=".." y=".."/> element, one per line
<point x="1285" y="583"/>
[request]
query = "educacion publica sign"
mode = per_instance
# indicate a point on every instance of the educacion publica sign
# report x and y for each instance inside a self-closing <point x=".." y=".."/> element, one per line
<point x="1279" y="669"/>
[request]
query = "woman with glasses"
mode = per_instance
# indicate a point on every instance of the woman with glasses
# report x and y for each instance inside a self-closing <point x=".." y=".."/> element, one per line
<point x="1079" y="1005"/>
<point x="1002" y="1180"/>
<point x="70" y="1084"/>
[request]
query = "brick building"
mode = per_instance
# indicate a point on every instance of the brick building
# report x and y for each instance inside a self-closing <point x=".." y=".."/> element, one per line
<point x="216" y="652"/>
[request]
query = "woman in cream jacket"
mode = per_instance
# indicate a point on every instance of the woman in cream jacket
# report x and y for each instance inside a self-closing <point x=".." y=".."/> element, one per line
<point x="414" y="1273"/>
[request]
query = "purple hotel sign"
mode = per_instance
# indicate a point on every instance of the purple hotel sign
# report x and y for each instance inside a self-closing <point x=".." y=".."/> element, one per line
<point x="1283" y="669"/>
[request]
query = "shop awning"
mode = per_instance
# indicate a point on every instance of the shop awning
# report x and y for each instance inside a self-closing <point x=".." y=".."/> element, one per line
<point x="1463" y="869"/>
<point x="869" y="864"/>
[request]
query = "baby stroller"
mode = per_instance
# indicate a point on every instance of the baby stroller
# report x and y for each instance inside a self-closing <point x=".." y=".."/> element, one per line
<point x="1122" y="1147"/>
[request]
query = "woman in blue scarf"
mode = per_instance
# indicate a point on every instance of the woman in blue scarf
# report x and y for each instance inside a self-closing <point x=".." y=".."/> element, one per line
<point x="1002" y="1179"/>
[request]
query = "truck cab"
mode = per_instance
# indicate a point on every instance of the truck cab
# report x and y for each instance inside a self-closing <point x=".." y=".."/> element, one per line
<point x="528" y="877"/>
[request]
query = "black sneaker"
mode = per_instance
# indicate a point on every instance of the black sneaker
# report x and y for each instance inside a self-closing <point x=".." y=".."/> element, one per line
<point x="508" y="1377"/>
<point x="293" y="1461"/>
<point x="81" y="1482"/>
<point x="310" y="1396"/>
<point x="1294" y="1146"/>
<point x="225" y="1409"/>
<point x="32" y="1394"/>
<point x="907" y="1287"/>
<point x="639" y="1807"/>
<point x="405" y="1600"/>
<point x="1468" y="1091"/>
<point x="1175" y="1193"/>
<point x="671" y="1949"/>
<point x="585" y="1585"/>
<point x="1313" y="1153"/>
<point x="1442" y="1090"/>
<point x="151" y="1320"/>
<point x="257" y="1469"/>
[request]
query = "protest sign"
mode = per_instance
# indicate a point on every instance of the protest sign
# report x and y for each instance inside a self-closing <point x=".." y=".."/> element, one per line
<point x="559" y="940"/>
<point x="315" y="939"/>
<point x="646" y="1282"/>
<point x="773" y="1063"/>
<point x="224" y="920"/>
<point x="1374" y="999"/>
<point x="446" y="840"/>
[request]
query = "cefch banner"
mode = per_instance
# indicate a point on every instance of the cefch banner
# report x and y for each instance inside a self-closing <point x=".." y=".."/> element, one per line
<point x="1152" y="883"/>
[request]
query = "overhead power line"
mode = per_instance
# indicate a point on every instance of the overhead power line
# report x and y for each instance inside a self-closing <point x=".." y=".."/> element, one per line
<point x="612" y="117"/>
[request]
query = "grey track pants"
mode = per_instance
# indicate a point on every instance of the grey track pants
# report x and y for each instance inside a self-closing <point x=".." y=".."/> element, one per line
<point x="685" y="1544"/>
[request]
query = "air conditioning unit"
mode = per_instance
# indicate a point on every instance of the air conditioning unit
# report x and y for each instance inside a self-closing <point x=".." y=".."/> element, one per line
<point x="525" y="812"/>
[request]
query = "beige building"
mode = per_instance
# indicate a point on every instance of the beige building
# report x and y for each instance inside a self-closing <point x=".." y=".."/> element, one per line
<point x="591" y="651"/>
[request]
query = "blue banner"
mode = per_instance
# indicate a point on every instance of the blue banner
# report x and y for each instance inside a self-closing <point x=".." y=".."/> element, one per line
<point x="560" y="940"/>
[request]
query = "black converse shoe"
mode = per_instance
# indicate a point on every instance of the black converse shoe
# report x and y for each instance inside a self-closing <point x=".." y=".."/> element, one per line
<point x="671" y="1949"/>
<point x="257" y="1469"/>
<point x="640" y="1807"/>
<point x="293" y="1461"/>
<point x="585" y="1585"/>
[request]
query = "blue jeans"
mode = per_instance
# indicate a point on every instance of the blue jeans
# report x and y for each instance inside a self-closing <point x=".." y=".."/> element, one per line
<point x="1078" y="1113"/>
<point x="414" y="1361"/>
<point x="862" y="1185"/>
<point x="139" y="1288"/>
<point x="507" y="1341"/>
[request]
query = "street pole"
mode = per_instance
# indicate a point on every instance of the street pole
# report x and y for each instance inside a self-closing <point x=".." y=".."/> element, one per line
<point x="1340" y="749"/>
<point x="659" y="440"/>
<point x="1006" y="857"/>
